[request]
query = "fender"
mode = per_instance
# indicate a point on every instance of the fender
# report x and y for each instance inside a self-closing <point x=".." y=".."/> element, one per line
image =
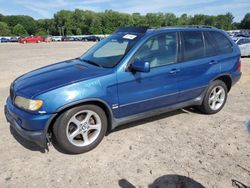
<point x="221" y="75"/>
<point x="69" y="105"/>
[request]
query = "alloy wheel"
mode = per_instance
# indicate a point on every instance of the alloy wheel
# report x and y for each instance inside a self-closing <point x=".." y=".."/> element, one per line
<point x="83" y="128"/>
<point x="217" y="98"/>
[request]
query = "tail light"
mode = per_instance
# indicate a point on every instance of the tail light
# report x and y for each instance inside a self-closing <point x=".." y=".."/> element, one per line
<point x="239" y="65"/>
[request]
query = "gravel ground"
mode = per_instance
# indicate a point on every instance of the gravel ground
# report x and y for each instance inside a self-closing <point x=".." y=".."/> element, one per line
<point x="181" y="146"/>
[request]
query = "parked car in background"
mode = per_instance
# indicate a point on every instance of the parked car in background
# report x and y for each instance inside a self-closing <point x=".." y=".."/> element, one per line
<point x="4" y="40"/>
<point x="56" y="38"/>
<point x="32" y="39"/>
<point x="14" y="39"/>
<point x="47" y="39"/>
<point x="242" y="35"/>
<point x="91" y="38"/>
<point x="76" y="38"/>
<point x="132" y="74"/>
<point x="244" y="44"/>
<point x="66" y="38"/>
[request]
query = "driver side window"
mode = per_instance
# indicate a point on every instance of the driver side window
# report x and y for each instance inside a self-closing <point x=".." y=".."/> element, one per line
<point x="159" y="50"/>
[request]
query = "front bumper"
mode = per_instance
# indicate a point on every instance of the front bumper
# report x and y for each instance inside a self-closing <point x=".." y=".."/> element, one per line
<point x="18" y="120"/>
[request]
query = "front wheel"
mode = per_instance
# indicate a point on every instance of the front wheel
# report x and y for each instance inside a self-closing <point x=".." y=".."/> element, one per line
<point x="80" y="129"/>
<point x="215" y="97"/>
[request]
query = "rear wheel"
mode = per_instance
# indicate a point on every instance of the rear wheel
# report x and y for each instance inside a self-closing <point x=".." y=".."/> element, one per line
<point x="215" y="97"/>
<point x="80" y="129"/>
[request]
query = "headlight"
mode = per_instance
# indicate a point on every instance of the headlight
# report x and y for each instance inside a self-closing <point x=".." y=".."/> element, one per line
<point x="28" y="104"/>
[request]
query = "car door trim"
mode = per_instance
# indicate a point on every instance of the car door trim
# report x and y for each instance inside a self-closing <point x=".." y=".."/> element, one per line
<point x="162" y="96"/>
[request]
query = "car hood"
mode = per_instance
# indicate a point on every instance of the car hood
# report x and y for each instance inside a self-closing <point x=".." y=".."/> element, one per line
<point x="55" y="76"/>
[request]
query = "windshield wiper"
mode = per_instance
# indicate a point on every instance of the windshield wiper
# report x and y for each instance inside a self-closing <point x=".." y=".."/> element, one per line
<point x="91" y="62"/>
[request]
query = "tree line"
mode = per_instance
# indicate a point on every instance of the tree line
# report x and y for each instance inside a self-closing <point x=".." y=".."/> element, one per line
<point x="81" y="22"/>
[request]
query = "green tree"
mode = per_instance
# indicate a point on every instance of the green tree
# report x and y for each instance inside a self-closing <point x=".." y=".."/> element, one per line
<point x="184" y="19"/>
<point x="1" y="17"/>
<point x="78" y="22"/>
<point x="245" y="23"/>
<point x="170" y="19"/>
<point x="110" y="21"/>
<point x="139" y="20"/>
<point x="4" y="29"/>
<point x="198" y="19"/>
<point x="78" y="31"/>
<point x="27" y="22"/>
<point x="19" y="30"/>
<point x="47" y="25"/>
<point x="96" y="25"/>
<point x="64" y="22"/>
<point x="41" y="33"/>
<point x="155" y="19"/>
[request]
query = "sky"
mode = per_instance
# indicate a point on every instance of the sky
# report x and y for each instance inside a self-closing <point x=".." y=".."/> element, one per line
<point x="47" y="8"/>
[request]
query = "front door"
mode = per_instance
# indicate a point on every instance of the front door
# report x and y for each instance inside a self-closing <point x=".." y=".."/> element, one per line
<point x="141" y="92"/>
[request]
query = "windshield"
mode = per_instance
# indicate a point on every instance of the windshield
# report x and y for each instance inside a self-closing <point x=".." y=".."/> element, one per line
<point x="108" y="52"/>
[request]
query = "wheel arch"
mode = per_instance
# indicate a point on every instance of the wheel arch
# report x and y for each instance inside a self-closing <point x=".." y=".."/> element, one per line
<point x="102" y="104"/>
<point x="227" y="80"/>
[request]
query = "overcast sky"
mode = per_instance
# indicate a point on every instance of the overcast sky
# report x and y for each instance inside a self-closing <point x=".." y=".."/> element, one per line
<point x="46" y="8"/>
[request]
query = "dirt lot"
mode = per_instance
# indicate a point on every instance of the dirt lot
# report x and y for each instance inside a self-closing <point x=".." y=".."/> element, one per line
<point x="206" y="150"/>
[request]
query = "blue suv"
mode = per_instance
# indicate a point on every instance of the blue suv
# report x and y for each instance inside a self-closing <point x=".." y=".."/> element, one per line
<point x="133" y="74"/>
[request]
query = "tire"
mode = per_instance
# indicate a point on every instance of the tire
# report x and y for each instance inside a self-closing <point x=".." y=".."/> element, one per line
<point x="213" y="102"/>
<point x="73" y="126"/>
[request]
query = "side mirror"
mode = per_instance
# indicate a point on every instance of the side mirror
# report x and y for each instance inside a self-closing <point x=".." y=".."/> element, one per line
<point x="140" y="66"/>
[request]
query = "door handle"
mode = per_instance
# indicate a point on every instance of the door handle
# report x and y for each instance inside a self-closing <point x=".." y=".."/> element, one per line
<point x="173" y="71"/>
<point x="212" y="62"/>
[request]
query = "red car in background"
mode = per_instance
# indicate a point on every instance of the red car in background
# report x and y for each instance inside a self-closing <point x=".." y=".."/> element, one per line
<point x="31" y="40"/>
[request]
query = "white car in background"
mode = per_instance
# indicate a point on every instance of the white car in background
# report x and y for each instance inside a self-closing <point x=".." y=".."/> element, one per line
<point x="56" y="38"/>
<point x="244" y="44"/>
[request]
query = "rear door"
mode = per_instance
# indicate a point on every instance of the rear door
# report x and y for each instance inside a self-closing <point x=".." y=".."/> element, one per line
<point x="228" y="56"/>
<point x="139" y="91"/>
<point x="198" y="65"/>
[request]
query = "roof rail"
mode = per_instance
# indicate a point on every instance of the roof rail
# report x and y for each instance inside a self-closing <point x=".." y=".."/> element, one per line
<point x="200" y="26"/>
<point x="185" y="26"/>
<point x="144" y="29"/>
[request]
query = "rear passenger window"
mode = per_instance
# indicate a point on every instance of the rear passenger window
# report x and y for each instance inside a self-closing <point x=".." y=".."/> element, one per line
<point x="224" y="45"/>
<point x="210" y="47"/>
<point x="193" y="45"/>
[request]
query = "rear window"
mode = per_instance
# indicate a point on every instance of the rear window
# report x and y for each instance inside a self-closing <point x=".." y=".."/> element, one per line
<point x="193" y="45"/>
<point x="223" y="44"/>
